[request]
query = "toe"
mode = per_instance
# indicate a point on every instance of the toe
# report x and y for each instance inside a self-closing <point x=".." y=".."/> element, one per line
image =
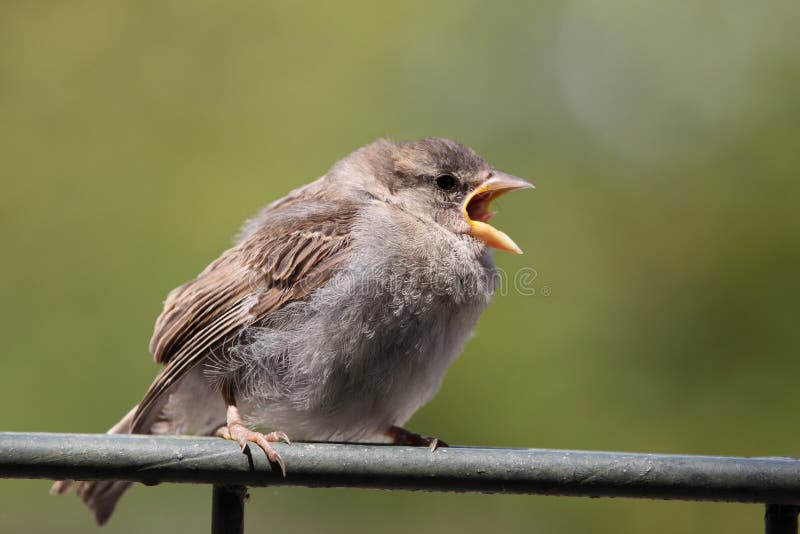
<point x="272" y="454"/>
<point x="242" y="435"/>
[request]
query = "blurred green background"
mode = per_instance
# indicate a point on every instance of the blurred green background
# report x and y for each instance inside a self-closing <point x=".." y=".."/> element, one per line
<point x="663" y="137"/>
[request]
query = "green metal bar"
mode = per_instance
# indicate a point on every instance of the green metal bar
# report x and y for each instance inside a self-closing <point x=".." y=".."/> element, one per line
<point x="151" y="459"/>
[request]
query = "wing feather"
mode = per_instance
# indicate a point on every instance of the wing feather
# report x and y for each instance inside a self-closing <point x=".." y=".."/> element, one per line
<point x="285" y="260"/>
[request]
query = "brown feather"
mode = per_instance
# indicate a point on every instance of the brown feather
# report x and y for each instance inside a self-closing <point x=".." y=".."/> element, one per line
<point x="285" y="260"/>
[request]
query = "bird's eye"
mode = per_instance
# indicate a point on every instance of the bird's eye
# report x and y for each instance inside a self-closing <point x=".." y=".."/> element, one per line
<point x="445" y="182"/>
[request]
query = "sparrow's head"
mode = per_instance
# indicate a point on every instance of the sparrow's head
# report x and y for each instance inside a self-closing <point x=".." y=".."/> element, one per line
<point x="441" y="180"/>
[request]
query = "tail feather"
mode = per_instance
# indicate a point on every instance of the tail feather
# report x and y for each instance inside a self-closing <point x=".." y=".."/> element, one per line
<point x="192" y="407"/>
<point x="100" y="496"/>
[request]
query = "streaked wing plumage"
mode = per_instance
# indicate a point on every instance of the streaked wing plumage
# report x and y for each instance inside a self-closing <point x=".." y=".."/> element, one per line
<point x="284" y="261"/>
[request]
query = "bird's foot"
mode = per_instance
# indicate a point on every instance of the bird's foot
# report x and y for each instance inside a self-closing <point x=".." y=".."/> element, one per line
<point x="401" y="436"/>
<point x="237" y="431"/>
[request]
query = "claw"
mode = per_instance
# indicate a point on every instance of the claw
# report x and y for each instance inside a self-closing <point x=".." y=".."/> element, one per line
<point x="242" y="435"/>
<point x="278" y="460"/>
<point x="279" y="436"/>
<point x="401" y="436"/>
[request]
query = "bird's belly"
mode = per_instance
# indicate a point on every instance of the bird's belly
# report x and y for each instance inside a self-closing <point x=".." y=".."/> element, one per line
<point x="369" y="348"/>
<point x="355" y="385"/>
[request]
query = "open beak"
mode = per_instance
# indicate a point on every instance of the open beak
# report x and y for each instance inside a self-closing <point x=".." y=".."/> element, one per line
<point x="476" y="210"/>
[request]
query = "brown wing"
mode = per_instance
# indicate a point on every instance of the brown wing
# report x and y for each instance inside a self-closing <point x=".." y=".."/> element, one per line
<point x="284" y="261"/>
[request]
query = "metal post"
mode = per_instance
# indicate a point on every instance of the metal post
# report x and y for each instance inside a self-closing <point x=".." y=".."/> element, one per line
<point x="227" y="509"/>
<point x="780" y="519"/>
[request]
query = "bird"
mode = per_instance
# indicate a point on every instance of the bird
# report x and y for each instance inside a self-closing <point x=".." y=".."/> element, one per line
<point x="336" y="313"/>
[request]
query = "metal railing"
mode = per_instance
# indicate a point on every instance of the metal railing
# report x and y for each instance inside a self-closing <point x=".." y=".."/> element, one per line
<point x="152" y="459"/>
